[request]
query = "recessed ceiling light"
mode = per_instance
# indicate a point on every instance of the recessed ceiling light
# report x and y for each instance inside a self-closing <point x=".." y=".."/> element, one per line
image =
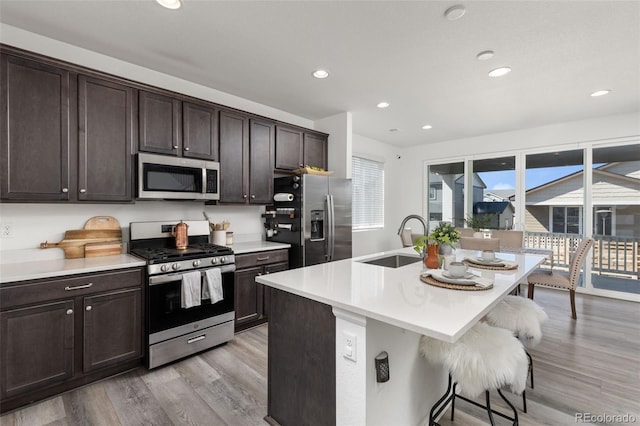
<point x="393" y="130"/>
<point x="383" y="104"/>
<point x="499" y="72"/>
<point x="427" y="127"/>
<point x="321" y="74"/>
<point x="483" y="56"/>
<point x="600" y="93"/>
<point x="170" y="4"/>
<point x="455" y="12"/>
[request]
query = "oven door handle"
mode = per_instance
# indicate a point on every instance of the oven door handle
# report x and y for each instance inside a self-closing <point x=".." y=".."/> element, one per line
<point x="161" y="279"/>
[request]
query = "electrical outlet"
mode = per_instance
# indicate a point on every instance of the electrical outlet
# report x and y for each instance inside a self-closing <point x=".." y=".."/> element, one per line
<point x="6" y="230"/>
<point x="350" y="343"/>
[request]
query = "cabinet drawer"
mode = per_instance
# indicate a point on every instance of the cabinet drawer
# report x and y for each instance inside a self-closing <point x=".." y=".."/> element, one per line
<point x="77" y="285"/>
<point x="261" y="258"/>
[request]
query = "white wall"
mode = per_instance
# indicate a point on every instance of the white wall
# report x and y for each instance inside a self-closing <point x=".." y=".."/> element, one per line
<point x="340" y="142"/>
<point x="367" y="242"/>
<point x="36" y="223"/>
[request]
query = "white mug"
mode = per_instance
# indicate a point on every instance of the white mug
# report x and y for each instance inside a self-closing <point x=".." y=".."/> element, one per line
<point x="488" y="255"/>
<point x="457" y="269"/>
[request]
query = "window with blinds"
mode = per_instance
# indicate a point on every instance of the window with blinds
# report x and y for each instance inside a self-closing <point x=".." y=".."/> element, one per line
<point x="368" y="193"/>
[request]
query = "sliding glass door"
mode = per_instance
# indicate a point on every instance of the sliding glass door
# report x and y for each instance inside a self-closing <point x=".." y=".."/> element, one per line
<point x="616" y="218"/>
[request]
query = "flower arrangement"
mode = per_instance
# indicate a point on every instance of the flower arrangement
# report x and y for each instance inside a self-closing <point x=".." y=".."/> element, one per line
<point x="443" y="234"/>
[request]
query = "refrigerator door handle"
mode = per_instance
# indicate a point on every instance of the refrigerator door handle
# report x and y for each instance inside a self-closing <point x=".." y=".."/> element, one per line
<point x="332" y="227"/>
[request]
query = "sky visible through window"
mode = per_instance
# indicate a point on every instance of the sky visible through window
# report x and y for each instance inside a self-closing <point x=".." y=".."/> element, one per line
<point x="533" y="177"/>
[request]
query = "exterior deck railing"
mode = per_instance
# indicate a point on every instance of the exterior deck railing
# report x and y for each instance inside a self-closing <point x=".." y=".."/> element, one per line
<point x="611" y="254"/>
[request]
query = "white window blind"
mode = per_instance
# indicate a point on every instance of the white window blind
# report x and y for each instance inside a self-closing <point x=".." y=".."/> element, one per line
<point x="368" y="193"/>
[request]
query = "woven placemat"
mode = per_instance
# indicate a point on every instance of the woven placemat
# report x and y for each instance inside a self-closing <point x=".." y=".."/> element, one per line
<point x="491" y="268"/>
<point x="432" y="281"/>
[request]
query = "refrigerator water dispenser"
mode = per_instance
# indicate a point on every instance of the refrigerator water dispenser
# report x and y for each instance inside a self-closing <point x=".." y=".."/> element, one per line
<point x="317" y="225"/>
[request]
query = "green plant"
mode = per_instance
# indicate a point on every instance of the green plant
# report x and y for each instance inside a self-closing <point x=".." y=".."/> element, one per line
<point x="421" y="243"/>
<point x="478" y="222"/>
<point x="444" y="233"/>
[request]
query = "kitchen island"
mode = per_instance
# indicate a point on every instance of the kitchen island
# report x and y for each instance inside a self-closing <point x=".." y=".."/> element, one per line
<point x="328" y="322"/>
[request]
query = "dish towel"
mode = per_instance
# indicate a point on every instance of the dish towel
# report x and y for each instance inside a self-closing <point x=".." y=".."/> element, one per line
<point x="212" y="288"/>
<point x="191" y="289"/>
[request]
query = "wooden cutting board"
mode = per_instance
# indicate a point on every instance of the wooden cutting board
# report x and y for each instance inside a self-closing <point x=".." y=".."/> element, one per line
<point x="102" y="235"/>
<point x="102" y="222"/>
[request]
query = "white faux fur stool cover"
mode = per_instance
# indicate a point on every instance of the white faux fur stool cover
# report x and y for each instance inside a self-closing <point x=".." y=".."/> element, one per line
<point x="520" y="315"/>
<point x="485" y="358"/>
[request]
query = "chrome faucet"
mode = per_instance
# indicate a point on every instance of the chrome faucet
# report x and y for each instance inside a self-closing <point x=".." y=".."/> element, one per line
<point x="414" y="216"/>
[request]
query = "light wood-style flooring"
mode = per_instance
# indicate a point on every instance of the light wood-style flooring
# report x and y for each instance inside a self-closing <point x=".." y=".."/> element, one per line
<point x="591" y="365"/>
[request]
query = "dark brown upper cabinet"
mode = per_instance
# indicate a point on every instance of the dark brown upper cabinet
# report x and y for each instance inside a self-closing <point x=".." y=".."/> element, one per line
<point x="160" y="124"/>
<point x="297" y="147"/>
<point x="36" y="134"/>
<point x="288" y="148"/>
<point x="261" y="148"/>
<point x="173" y="127"/>
<point x="246" y="159"/>
<point x="315" y="150"/>
<point x="106" y="112"/>
<point x="199" y="131"/>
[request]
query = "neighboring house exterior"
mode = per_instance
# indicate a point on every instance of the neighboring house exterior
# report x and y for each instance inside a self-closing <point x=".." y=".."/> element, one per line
<point x="451" y="188"/>
<point x="557" y="206"/>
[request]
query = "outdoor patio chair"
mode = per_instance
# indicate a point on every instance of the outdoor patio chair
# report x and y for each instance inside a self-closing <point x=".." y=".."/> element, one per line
<point x="564" y="280"/>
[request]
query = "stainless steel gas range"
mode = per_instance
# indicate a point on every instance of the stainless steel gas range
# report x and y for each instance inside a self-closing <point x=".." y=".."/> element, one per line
<point x="174" y="331"/>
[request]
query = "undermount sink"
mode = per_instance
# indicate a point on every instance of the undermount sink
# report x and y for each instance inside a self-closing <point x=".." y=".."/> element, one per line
<point x="393" y="261"/>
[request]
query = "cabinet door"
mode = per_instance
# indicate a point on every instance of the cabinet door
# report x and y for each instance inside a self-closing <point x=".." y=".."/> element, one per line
<point x="160" y="124"/>
<point x="248" y="304"/>
<point x="288" y="148"/>
<point x="37" y="346"/>
<point x="234" y="160"/>
<point x="199" y="131"/>
<point x="106" y="120"/>
<point x="315" y="150"/>
<point x="112" y="330"/>
<point x="261" y="147"/>
<point x="36" y="136"/>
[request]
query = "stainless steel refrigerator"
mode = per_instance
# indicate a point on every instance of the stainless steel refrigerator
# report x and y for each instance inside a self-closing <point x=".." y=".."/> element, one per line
<point x="317" y="222"/>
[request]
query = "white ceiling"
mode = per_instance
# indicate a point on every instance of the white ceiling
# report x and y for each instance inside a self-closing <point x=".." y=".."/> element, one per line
<point x="402" y="52"/>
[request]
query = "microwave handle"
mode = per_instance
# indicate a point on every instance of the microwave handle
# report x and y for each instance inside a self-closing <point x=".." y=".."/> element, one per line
<point x="204" y="180"/>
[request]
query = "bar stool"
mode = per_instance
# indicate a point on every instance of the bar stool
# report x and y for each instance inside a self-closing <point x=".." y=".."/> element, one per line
<point x="524" y="318"/>
<point x="483" y="359"/>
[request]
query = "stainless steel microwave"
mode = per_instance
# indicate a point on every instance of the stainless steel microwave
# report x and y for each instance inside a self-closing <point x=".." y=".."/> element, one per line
<point x="162" y="177"/>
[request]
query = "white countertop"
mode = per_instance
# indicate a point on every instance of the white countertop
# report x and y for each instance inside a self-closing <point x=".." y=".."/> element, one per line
<point x="397" y="296"/>
<point x="50" y="268"/>
<point x="253" y="246"/>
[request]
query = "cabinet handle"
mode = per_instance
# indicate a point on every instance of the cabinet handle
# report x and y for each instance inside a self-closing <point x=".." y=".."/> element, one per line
<point x="195" y="339"/>
<point x="253" y="196"/>
<point x="65" y="190"/>
<point x="259" y="274"/>
<point x="175" y="147"/>
<point x="82" y="191"/>
<point x="69" y="311"/>
<point x="186" y="148"/>
<point x="260" y="259"/>
<point x="244" y="196"/>
<point x="88" y="308"/>
<point x="78" y="287"/>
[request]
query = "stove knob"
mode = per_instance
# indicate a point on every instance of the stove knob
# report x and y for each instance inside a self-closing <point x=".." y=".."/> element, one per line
<point x="223" y="259"/>
<point x="196" y="263"/>
<point x="175" y="266"/>
<point x="164" y="268"/>
<point x="214" y="260"/>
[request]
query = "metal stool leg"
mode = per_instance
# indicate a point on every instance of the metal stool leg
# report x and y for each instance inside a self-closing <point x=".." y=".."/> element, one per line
<point x="489" y="411"/>
<point x="530" y="367"/>
<point x="515" y="413"/>
<point x="524" y="401"/>
<point x="453" y="401"/>
<point x="440" y="404"/>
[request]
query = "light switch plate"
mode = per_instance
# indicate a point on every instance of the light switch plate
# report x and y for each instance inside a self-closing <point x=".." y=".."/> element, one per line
<point x="350" y="343"/>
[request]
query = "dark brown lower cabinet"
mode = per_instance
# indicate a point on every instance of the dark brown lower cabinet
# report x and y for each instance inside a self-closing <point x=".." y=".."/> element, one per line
<point x="66" y="332"/>
<point x="252" y="299"/>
